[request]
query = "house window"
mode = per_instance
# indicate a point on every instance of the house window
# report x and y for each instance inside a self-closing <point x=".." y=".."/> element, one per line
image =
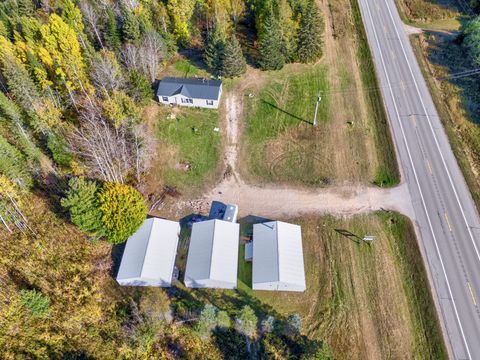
<point x="165" y="98"/>
<point x="187" y="101"/>
<point x="209" y="102"/>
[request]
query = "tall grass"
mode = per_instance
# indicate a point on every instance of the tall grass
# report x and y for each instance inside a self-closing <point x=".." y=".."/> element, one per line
<point x="388" y="173"/>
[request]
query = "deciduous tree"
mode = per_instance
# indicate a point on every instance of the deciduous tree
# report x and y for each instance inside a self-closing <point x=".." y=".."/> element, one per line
<point x="123" y="211"/>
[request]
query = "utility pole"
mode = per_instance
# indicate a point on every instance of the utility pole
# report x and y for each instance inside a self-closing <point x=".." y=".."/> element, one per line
<point x="319" y="98"/>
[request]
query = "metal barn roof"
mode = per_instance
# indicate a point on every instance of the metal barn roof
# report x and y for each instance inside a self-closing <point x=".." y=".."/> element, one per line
<point x="191" y="88"/>
<point x="149" y="255"/>
<point x="278" y="257"/>
<point x="213" y="255"/>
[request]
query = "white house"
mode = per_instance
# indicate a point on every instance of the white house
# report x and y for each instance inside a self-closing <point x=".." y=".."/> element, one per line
<point x="278" y="257"/>
<point x="213" y="255"/>
<point x="203" y="93"/>
<point x="149" y="256"/>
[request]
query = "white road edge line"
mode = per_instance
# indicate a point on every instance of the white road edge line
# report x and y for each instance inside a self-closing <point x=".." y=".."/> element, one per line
<point x="416" y="180"/>
<point x="434" y="136"/>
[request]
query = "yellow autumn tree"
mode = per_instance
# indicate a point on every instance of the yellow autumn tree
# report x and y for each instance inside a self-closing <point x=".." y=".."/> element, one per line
<point x="60" y="53"/>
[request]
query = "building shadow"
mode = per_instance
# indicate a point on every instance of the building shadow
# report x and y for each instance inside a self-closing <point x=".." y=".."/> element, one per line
<point x="116" y="256"/>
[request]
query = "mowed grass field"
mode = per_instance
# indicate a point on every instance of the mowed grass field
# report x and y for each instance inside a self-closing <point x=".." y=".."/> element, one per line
<point x="187" y="149"/>
<point x="352" y="140"/>
<point x="366" y="301"/>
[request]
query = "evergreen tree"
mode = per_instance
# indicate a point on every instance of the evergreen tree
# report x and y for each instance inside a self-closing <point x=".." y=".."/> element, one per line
<point x="310" y="34"/>
<point x="288" y="28"/>
<point x="13" y="164"/>
<point x="207" y="321"/>
<point x="270" y="47"/>
<point x="215" y="48"/>
<point x="25" y="7"/>
<point x="246" y="322"/>
<point x="233" y="64"/>
<point x="471" y="39"/>
<point x="82" y="203"/>
<point x="59" y="149"/>
<point x="112" y="35"/>
<point x="131" y="27"/>
<point x="123" y="211"/>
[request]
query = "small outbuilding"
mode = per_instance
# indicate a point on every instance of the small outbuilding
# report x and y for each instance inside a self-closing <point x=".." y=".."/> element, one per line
<point x="278" y="257"/>
<point x="149" y="256"/>
<point x="213" y="255"/>
<point x="204" y="93"/>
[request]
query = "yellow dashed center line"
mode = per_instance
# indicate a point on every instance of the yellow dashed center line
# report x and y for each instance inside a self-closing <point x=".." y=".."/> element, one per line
<point x="448" y="222"/>
<point x="414" y="120"/>
<point x="471" y="293"/>
<point x="427" y="163"/>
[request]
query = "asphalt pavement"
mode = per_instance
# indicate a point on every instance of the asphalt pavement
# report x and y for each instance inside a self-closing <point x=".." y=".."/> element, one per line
<point x="447" y="221"/>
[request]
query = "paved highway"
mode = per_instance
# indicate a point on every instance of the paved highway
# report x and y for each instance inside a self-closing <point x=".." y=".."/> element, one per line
<point x="446" y="218"/>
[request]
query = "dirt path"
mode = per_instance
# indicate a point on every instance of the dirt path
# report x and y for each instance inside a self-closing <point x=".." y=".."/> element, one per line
<point x="275" y="201"/>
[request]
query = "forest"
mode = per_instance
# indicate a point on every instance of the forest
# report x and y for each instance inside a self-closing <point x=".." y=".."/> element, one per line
<point x="74" y="150"/>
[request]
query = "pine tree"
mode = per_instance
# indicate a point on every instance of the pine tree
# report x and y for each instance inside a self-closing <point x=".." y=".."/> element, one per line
<point x="131" y="27"/>
<point x="233" y="64"/>
<point x="310" y="34"/>
<point x="288" y="29"/>
<point x="25" y="7"/>
<point x="13" y="164"/>
<point x="215" y="48"/>
<point x="112" y="35"/>
<point x="82" y="203"/>
<point x="270" y="48"/>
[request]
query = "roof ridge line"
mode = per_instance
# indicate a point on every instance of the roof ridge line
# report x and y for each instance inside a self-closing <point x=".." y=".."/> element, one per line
<point x="146" y="247"/>
<point x="211" y="250"/>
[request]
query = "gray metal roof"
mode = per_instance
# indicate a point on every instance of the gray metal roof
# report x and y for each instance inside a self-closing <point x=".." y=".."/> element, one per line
<point x="191" y="88"/>
<point x="213" y="253"/>
<point x="150" y="252"/>
<point x="278" y="256"/>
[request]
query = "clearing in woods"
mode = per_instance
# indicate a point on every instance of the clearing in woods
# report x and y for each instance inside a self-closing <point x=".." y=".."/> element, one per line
<point x="352" y="142"/>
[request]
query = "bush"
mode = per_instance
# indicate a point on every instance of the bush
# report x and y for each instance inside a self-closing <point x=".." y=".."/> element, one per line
<point x="35" y="301"/>
<point x="123" y="211"/>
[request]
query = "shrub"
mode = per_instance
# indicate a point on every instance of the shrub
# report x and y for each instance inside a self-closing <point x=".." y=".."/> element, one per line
<point x="35" y="301"/>
<point x="59" y="149"/>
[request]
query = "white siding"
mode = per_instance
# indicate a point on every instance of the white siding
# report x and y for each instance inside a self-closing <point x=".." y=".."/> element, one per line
<point x="177" y="100"/>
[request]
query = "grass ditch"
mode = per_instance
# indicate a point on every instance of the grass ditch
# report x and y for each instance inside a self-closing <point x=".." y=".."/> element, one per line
<point x="387" y="173"/>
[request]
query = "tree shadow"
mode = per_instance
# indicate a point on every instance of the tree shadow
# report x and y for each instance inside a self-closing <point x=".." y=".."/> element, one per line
<point x="286" y="112"/>
<point x="231" y="344"/>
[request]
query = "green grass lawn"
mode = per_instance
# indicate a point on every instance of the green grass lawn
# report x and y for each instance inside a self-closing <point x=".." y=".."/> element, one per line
<point x="244" y="271"/>
<point x="286" y="103"/>
<point x="189" y="141"/>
